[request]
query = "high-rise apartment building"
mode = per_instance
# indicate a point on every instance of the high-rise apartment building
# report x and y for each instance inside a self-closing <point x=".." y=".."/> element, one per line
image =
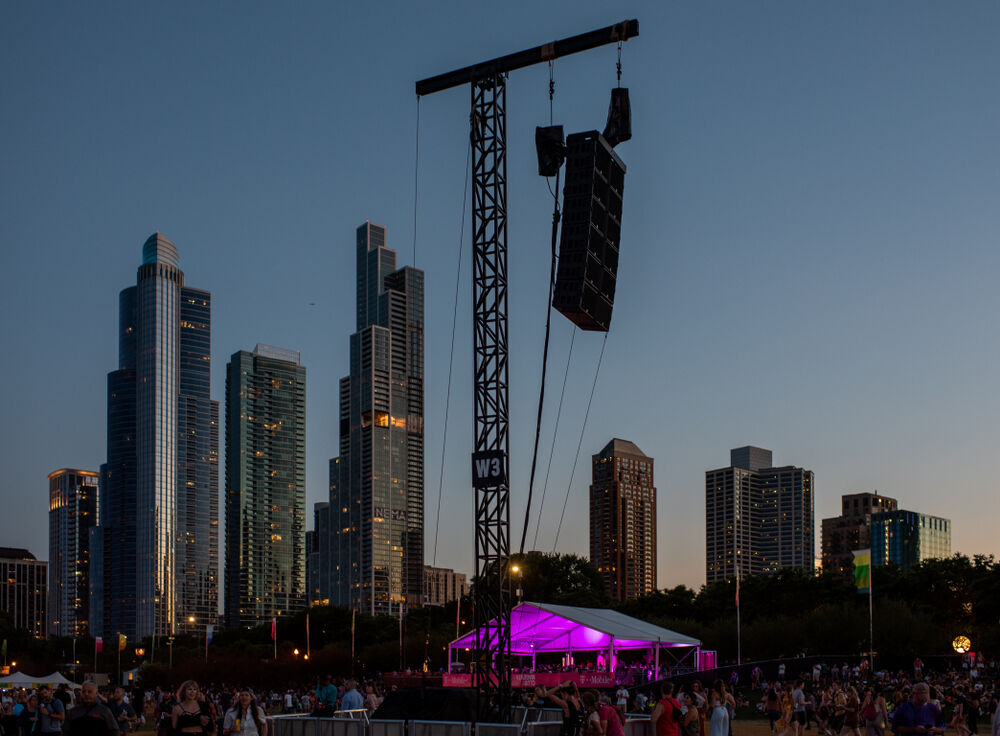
<point x="72" y="514"/>
<point x="841" y="535"/>
<point x="443" y="585"/>
<point x="758" y="518"/>
<point x="265" y="485"/>
<point x="376" y="511"/>
<point x="623" y="520"/>
<point x="23" y="590"/>
<point x="318" y="556"/>
<point x="159" y="501"/>
<point x="907" y="538"/>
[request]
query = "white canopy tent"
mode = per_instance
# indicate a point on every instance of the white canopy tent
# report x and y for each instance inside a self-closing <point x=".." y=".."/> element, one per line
<point x="20" y="679"/>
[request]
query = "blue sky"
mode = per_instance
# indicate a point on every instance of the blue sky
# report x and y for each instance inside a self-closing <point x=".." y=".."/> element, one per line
<point x="807" y="259"/>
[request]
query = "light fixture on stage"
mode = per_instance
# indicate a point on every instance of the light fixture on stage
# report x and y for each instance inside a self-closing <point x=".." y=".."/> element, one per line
<point x="550" y="148"/>
<point x="961" y="644"/>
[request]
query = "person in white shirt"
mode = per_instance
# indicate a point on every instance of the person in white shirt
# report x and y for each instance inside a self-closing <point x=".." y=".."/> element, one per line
<point x="622" y="698"/>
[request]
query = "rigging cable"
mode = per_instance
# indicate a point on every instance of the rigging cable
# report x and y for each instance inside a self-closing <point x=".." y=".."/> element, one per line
<point x="451" y="359"/>
<point x="580" y="443"/>
<point x="548" y="329"/>
<point x="416" y="172"/>
<point x="545" y="363"/>
<point x="555" y="433"/>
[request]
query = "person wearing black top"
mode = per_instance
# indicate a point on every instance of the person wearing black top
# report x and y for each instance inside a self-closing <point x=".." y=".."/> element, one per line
<point x="27" y="719"/>
<point x="191" y="714"/>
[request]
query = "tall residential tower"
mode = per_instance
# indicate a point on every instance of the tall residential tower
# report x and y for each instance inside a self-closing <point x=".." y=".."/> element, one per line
<point x="159" y="501"/>
<point x="376" y="511"/>
<point x="758" y="518"/>
<point x="72" y="514"/>
<point x="623" y="520"/>
<point x="265" y="485"/>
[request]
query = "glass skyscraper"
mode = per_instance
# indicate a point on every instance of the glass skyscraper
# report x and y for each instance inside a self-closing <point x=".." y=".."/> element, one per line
<point x="72" y="514"/>
<point x="265" y="485"/>
<point x="907" y="538"/>
<point x="376" y="507"/>
<point x="159" y="504"/>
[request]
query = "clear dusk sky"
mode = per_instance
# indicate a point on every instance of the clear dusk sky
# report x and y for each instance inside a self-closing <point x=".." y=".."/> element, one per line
<point x="808" y="257"/>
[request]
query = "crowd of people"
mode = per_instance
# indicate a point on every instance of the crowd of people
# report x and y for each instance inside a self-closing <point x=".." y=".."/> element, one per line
<point x="210" y="711"/>
<point x="845" y="700"/>
<point x="833" y="700"/>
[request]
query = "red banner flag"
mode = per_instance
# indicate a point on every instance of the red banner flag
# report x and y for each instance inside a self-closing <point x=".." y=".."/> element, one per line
<point x="274" y="629"/>
<point x="98" y="645"/>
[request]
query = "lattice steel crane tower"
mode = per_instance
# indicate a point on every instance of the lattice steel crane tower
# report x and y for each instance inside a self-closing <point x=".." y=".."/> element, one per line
<point x="491" y="463"/>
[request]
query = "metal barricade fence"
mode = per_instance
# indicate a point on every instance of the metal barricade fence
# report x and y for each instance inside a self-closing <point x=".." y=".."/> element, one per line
<point x="498" y="729"/>
<point x="544" y="728"/>
<point x="439" y="728"/>
<point x="387" y="728"/>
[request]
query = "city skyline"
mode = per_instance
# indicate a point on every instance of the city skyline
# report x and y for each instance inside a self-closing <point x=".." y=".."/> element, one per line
<point x="827" y="178"/>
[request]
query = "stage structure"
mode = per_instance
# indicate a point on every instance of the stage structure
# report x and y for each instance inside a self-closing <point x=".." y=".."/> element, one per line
<point x="491" y="459"/>
<point x="545" y="628"/>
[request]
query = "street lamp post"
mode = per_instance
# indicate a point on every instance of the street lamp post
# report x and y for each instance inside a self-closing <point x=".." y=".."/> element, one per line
<point x="516" y="569"/>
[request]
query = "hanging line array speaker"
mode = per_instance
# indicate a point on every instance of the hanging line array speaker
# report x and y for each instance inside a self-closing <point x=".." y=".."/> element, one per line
<point x="591" y="230"/>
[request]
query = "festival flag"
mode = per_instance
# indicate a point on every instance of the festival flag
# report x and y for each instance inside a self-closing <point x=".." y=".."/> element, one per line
<point x="209" y="632"/>
<point x="3" y="649"/>
<point x="122" y="640"/>
<point x="274" y="629"/>
<point x="863" y="569"/>
<point x="98" y="644"/>
<point x="737" y="588"/>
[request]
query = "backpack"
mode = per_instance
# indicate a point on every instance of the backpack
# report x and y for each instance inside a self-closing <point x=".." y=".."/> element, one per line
<point x="675" y="710"/>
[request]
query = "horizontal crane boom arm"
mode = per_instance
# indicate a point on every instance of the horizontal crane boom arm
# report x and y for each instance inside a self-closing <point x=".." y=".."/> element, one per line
<point x="612" y="34"/>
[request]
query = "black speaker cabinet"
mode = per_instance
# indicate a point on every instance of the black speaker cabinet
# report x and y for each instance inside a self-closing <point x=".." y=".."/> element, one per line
<point x="591" y="229"/>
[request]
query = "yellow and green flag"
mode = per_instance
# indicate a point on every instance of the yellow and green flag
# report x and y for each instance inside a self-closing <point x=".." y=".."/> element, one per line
<point x="863" y="570"/>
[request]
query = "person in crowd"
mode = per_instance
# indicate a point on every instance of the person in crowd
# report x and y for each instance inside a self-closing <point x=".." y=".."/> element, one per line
<point x="691" y="721"/>
<point x="64" y="696"/>
<point x="701" y="699"/>
<point x="972" y="706"/>
<point x="621" y="698"/>
<point x="591" y="718"/>
<point x="191" y="714"/>
<point x="772" y="706"/>
<point x="667" y="711"/>
<point x="90" y="717"/>
<point x="326" y="697"/>
<point x="567" y="697"/>
<point x="609" y="721"/>
<point x="27" y="716"/>
<point x="51" y="713"/>
<point x="718" y="708"/>
<point x="918" y="715"/>
<point x="852" y="711"/>
<point x="874" y="713"/>
<point x="122" y="711"/>
<point x="245" y="717"/>
<point x="352" y="700"/>
<point x="372" y="699"/>
<point x="798" y="708"/>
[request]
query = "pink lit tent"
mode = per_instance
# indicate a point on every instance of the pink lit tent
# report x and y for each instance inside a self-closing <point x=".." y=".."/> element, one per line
<point x="548" y="628"/>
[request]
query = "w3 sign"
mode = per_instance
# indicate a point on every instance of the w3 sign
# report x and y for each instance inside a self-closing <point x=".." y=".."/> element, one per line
<point x="489" y="469"/>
